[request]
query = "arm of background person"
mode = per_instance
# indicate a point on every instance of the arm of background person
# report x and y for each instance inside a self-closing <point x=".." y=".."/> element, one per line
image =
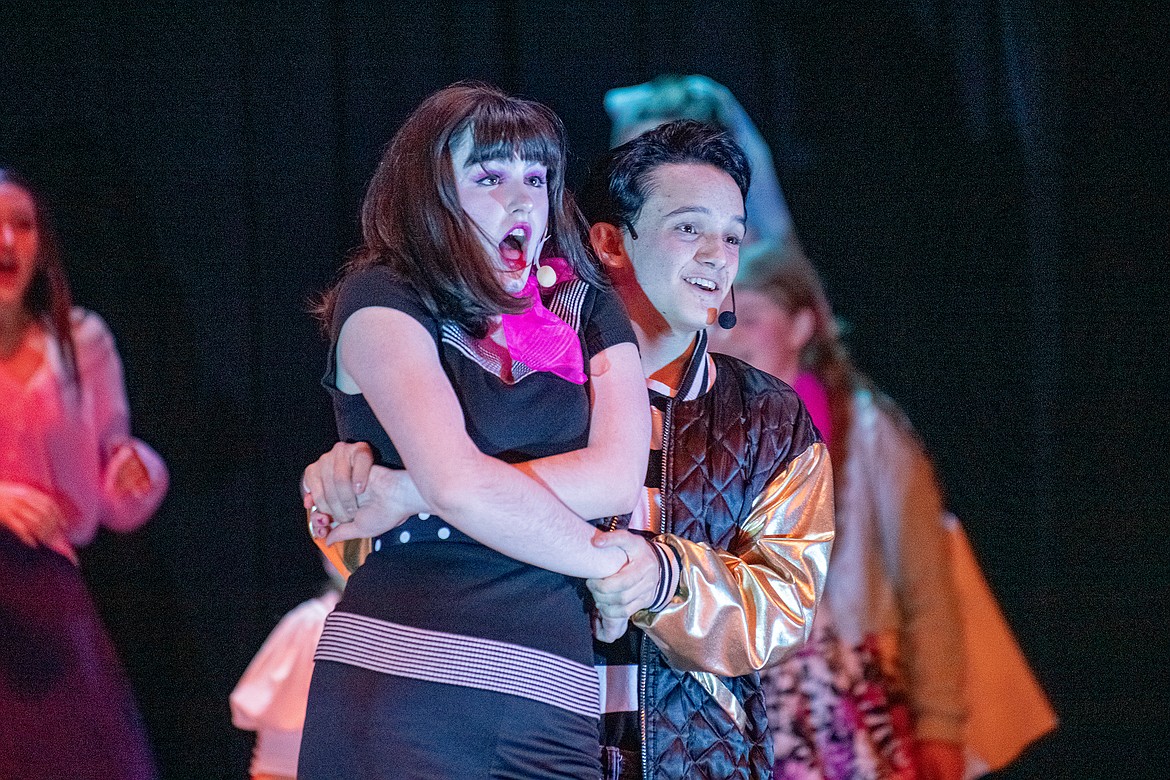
<point x="133" y="478"/>
<point x="909" y="507"/>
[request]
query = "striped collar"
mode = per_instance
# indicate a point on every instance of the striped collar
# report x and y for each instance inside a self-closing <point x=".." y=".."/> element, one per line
<point x="697" y="379"/>
<point x="566" y="301"/>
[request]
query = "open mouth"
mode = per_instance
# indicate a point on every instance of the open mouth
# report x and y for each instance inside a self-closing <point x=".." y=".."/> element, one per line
<point x="706" y="285"/>
<point x="513" y="245"/>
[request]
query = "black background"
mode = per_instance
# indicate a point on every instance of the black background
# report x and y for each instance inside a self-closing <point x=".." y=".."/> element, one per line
<point x="982" y="184"/>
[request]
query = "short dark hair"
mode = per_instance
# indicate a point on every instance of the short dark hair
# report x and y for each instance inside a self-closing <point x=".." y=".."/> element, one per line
<point x="618" y="183"/>
<point x="411" y="218"/>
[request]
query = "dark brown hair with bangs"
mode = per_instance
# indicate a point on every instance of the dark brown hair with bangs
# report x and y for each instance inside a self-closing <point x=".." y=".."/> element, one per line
<point x="48" y="296"/>
<point x="411" y="218"/>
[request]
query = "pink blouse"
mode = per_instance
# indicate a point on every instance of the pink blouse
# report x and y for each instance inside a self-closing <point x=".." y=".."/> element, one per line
<point x="68" y="443"/>
<point x="816" y="400"/>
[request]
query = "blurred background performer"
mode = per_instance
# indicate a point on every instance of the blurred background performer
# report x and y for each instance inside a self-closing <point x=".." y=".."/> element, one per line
<point x="68" y="465"/>
<point x="272" y="694"/>
<point x="884" y="688"/>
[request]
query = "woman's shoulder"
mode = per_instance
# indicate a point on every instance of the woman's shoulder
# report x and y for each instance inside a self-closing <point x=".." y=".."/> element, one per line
<point x="373" y="280"/>
<point x="600" y="314"/>
<point x="377" y="286"/>
<point x="877" y="415"/>
<point x="90" y="331"/>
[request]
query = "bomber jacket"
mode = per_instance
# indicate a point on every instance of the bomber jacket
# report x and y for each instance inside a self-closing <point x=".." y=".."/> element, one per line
<point x="747" y="506"/>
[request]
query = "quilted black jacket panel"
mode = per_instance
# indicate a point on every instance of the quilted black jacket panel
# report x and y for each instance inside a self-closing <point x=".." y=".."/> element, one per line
<point x="724" y="448"/>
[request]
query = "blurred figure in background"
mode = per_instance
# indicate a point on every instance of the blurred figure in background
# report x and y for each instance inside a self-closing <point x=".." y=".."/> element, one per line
<point x="911" y="671"/>
<point x="273" y="692"/>
<point x="634" y="110"/>
<point x="889" y="613"/>
<point x="68" y="465"/>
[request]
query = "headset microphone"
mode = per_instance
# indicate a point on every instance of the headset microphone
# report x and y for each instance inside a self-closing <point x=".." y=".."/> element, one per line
<point x="727" y="318"/>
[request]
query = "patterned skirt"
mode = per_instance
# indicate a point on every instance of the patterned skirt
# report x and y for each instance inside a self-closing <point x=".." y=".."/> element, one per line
<point x="836" y="714"/>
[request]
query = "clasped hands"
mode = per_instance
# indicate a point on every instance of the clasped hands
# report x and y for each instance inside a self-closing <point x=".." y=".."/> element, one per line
<point x="348" y="497"/>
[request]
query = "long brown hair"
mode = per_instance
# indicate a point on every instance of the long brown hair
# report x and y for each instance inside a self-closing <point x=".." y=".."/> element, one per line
<point x="48" y="297"/>
<point x="784" y="273"/>
<point x="411" y="218"/>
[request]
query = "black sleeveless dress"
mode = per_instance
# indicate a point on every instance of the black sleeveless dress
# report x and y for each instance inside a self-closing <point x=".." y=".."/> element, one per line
<point x="444" y="658"/>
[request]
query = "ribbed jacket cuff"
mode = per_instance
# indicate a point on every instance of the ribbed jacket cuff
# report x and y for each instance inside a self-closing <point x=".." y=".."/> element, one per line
<point x="669" y="566"/>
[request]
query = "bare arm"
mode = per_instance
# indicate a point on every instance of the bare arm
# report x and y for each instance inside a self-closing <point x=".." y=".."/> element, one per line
<point x="605" y="478"/>
<point x="485" y="498"/>
<point x="602" y="479"/>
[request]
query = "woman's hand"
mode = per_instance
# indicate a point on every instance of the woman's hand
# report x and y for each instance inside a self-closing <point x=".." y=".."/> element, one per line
<point x="938" y="760"/>
<point x="33" y="516"/>
<point x="131" y="479"/>
<point x="388" y="500"/>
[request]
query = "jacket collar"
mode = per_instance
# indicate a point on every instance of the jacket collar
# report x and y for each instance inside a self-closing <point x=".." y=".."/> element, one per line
<point x="697" y="379"/>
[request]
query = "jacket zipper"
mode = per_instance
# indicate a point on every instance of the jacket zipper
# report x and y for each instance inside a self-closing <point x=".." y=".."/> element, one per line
<point x="667" y="425"/>
<point x="663" y="494"/>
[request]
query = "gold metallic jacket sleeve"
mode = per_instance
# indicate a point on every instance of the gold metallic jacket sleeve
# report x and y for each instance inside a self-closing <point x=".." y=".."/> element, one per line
<point x="744" y="609"/>
<point x="345" y="556"/>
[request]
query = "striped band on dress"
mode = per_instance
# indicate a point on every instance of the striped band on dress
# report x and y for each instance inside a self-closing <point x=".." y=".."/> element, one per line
<point x="456" y="659"/>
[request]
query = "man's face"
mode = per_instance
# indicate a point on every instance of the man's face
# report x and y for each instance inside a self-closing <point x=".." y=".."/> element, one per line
<point x="687" y="251"/>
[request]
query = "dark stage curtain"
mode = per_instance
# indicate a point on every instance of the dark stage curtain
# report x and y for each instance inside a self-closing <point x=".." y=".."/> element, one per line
<point x="982" y="184"/>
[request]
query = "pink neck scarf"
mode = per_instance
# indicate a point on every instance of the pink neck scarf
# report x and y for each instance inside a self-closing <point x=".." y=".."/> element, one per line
<point x="540" y="339"/>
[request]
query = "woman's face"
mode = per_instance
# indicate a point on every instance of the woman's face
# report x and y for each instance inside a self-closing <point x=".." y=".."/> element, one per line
<point x="507" y="199"/>
<point x="19" y="242"/>
<point x="766" y="335"/>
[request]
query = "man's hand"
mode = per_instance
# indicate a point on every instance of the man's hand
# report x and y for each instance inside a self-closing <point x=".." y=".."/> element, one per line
<point x="938" y="760"/>
<point x="609" y="630"/>
<point x="332" y="483"/>
<point x="630" y="589"/>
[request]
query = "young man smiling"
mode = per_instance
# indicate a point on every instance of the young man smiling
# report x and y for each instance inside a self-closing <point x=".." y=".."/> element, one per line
<point x="739" y="486"/>
<point x="738" y="490"/>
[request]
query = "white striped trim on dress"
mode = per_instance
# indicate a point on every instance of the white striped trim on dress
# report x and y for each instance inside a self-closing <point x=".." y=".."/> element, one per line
<point x="456" y="659"/>
<point x="566" y="302"/>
